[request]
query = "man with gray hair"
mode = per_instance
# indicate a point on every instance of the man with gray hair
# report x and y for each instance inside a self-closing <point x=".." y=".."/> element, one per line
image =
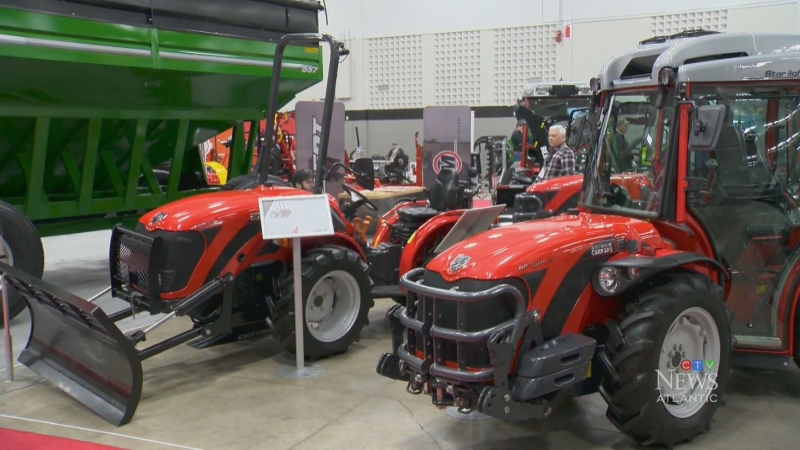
<point x="559" y="159"/>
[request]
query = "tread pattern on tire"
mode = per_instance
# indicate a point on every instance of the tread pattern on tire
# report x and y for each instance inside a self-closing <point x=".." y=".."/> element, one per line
<point x="630" y="348"/>
<point x="18" y="229"/>
<point x="318" y="261"/>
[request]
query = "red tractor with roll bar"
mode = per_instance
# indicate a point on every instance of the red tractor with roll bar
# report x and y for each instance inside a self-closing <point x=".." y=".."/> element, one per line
<point x="204" y="257"/>
<point x="667" y="274"/>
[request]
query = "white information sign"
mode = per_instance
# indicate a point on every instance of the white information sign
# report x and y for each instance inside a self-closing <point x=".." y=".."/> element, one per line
<point x="295" y="216"/>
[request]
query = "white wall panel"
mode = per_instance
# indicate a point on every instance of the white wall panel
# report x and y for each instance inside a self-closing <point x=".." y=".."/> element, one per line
<point x="419" y="53"/>
<point x="457" y="68"/>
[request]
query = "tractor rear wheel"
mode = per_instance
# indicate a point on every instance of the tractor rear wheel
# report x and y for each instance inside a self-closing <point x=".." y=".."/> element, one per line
<point x="657" y="392"/>
<point x="21" y="247"/>
<point x="336" y="301"/>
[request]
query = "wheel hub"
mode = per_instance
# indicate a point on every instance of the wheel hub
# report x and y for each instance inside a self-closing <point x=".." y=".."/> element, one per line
<point x="687" y="367"/>
<point x="6" y="255"/>
<point x="332" y="306"/>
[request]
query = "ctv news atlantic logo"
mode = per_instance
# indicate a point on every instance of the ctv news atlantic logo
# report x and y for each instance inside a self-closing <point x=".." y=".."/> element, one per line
<point x="693" y="381"/>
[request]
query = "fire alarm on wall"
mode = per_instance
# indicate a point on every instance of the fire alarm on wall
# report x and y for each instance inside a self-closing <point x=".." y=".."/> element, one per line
<point x="558" y="36"/>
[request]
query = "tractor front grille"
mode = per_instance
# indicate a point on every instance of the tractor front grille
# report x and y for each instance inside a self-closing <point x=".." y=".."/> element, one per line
<point x="146" y="264"/>
<point x="449" y="325"/>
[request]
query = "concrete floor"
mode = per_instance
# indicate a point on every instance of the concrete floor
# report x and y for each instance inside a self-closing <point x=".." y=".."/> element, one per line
<point x="230" y="397"/>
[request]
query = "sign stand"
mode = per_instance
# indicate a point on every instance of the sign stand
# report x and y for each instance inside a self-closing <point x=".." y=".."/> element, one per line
<point x="301" y="370"/>
<point x="7" y="331"/>
<point x="293" y="218"/>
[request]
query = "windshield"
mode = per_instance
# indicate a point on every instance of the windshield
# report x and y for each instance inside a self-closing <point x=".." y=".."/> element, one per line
<point x="557" y="109"/>
<point x="629" y="166"/>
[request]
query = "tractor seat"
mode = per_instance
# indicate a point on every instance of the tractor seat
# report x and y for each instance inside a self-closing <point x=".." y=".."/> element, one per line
<point x="417" y="214"/>
<point x="442" y="196"/>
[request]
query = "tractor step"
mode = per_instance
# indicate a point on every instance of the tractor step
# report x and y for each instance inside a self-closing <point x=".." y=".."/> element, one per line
<point x="555" y="365"/>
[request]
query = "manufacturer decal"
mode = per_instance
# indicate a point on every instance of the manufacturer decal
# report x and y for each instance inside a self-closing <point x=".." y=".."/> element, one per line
<point x="782" y="74"/>
<point x="534" y="264"/>
<point x="459" y="262"/>
<point x="603" y="248"/>
<point x="158" y="218"/>
<point x="447" y="159"/>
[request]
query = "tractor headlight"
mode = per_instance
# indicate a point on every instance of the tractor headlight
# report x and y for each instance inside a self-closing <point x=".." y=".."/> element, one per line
<point x="609" y="279"/>
<point x="633" y="273"/>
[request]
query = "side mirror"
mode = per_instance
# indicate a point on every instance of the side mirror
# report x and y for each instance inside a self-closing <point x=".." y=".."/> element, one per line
<point x="706" y="127"/>
<point x="364" y="171"/>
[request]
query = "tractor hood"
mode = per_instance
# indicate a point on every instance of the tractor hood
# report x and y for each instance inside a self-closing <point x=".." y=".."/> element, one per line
<point x="516" y="249"/>
<point x="201" y="211"/>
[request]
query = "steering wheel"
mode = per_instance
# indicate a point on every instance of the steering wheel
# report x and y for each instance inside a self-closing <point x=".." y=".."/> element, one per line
<point x="360" y="199"/>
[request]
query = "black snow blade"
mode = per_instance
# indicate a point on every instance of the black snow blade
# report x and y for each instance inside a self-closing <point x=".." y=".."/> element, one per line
<point x="74" y="345"/>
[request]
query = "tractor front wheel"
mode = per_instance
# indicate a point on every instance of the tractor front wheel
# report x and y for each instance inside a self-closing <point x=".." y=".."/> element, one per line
<point x="668" y="360"/>
<point x="336" y="302"/>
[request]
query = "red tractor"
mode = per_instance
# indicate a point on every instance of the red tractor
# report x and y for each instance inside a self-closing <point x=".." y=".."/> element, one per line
<point x="203" y="257"/>
<point x="670" y="271"/>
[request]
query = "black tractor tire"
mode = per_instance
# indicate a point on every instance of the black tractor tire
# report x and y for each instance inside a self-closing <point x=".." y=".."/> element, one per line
<point x="249" y="181"/>
<point x="797" y="335"/>
<point x="22" y="239"/>
<point x="321" y="265"/>
<point x="629" y="386"/>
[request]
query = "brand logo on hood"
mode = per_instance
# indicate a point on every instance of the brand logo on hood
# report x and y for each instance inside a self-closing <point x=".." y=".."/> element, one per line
<point x="158" y="218"/>
<point x="459" y="262"/>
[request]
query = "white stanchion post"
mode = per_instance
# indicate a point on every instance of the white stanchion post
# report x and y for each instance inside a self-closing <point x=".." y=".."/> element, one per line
<point x="296" y="217"/>
<point x="9" y="348"/>
<point x="299" y="312"/>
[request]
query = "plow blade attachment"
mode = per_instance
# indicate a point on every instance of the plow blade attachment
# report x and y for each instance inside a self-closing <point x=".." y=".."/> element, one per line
<point x="74" y="345"/>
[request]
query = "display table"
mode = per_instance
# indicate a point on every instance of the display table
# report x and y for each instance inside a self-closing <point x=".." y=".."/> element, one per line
<point x="385" y="198"/>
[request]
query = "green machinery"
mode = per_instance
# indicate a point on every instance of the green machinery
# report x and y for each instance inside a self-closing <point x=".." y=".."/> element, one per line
<point x="96" y="95"/>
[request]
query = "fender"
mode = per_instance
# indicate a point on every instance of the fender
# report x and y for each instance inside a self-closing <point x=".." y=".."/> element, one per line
<point x="648" y="266"/>
<point x="425" y="237"/>
<point x="384" y="228"/>
<point x="254" y="254"/>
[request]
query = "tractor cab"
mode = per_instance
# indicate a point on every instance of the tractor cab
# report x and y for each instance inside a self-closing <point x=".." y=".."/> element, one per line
<point x="719" y="162"/>
<point x="680" y="261"/>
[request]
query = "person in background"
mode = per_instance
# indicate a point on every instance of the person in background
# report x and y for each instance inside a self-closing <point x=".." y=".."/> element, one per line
<point x="560" y="159"/>
<point x="622" y="147"/>
<point x="516" y="140"/>
<point x="303" y="179"/>
<point x="395" y="160"/>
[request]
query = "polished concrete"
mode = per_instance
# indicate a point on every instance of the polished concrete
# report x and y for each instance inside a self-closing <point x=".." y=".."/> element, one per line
<point x="231" y="396"/>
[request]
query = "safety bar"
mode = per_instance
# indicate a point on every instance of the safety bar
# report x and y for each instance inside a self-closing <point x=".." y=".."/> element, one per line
<point x="428" y="331"/>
